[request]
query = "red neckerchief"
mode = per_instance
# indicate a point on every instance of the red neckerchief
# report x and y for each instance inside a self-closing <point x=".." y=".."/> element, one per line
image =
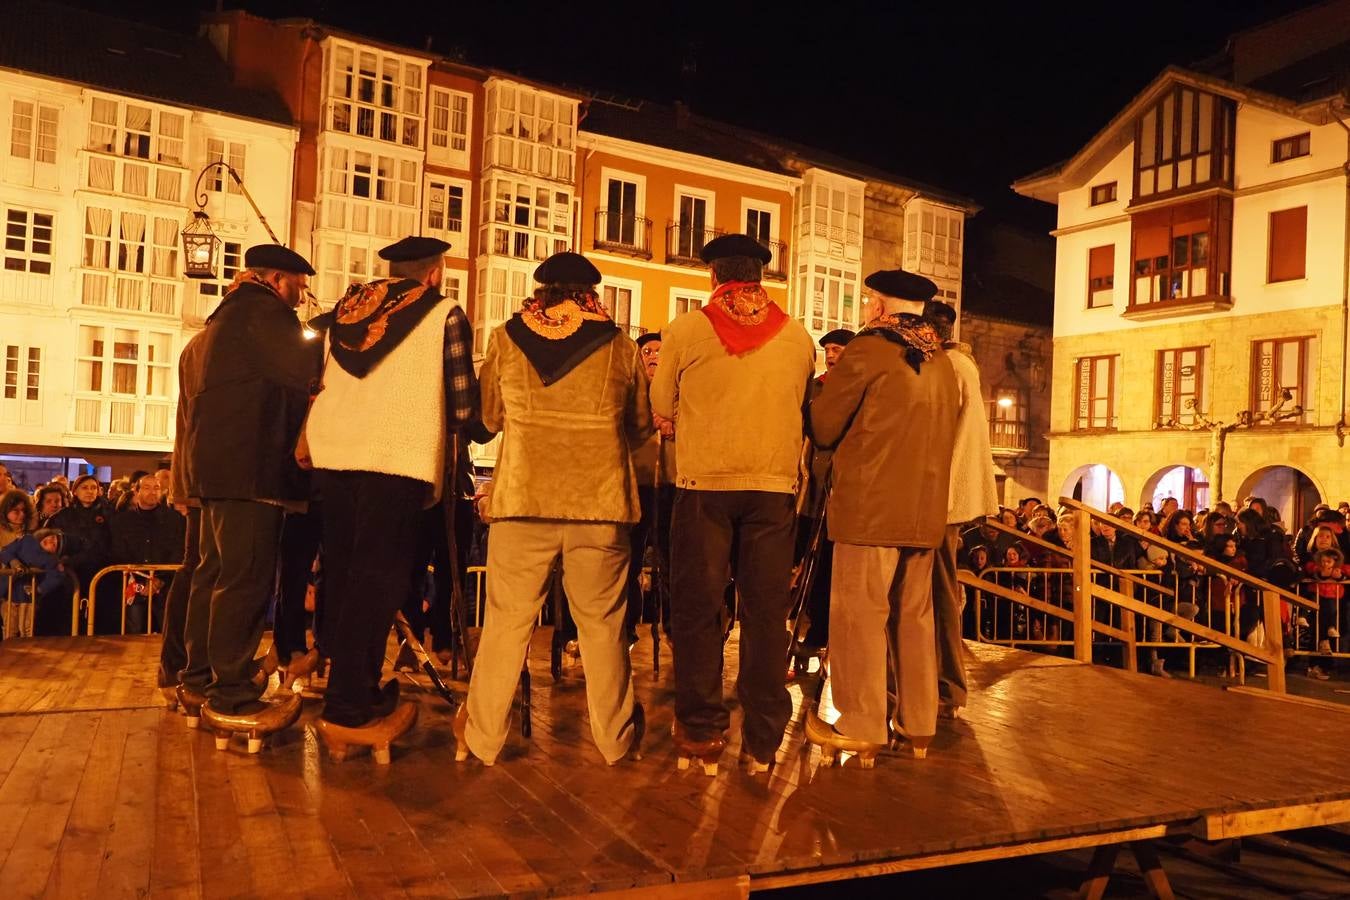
<point x="743" y="316"/>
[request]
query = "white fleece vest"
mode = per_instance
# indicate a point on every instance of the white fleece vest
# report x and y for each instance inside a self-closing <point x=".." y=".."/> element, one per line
<point x="393" y="420"/>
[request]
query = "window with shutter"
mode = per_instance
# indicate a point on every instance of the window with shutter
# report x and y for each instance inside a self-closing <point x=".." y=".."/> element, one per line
<point x="1101" y="276"/>
<point x="1287" y="258"/>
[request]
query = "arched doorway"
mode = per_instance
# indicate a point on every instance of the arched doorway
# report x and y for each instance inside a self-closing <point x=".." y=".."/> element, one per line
<point x="1096" y="485"/>
<point x="1187" y="485"/>
<point x="1284" y="488"/>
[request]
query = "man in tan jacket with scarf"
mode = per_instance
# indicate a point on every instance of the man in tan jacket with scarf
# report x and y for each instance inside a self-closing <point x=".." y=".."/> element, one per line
<point x="568" y="393"/>
<point x="733" y="376"/>
<point x="889" y="410"/>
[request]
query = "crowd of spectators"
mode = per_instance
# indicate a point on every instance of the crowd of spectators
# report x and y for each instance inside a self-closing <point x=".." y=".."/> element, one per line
<point x="1252" y="539"/>
<point x="56" y="537"/>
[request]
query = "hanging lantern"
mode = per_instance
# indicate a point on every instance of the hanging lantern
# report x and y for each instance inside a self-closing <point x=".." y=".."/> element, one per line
<point x="199" y="247"/>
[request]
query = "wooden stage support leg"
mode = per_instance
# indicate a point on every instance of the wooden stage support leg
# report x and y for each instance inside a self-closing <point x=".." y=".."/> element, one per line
<point x="1099" y="872"/>
<point x="1155" y="879"/>
<point x="1103" y="865"/>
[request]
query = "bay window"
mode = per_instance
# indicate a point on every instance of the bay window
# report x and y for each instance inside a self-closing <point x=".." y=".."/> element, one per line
<point x="1181" y="253"/>
<point x="1184" y="142"/>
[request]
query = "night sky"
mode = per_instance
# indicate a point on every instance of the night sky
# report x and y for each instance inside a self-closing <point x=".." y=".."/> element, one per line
<point x="964" y="100"/>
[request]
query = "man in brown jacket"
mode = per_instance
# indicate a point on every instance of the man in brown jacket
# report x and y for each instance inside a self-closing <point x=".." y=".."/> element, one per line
<point x="889" y="408"/>
<point x="733" y="377"/>
<point x="567" y="392"/>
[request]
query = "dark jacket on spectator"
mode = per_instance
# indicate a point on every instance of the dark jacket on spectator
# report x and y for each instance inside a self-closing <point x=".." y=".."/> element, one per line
<point x="89" y="540"/>
<point x="243" y="391"/>
<point x="1123" y="553"/>
<point x="147" y="535"/>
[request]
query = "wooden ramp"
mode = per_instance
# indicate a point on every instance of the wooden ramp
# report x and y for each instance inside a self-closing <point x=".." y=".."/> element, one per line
<point x="104" y="793"/>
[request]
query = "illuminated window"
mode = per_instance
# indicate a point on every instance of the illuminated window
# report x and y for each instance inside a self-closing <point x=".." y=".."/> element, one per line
<point x="1181" y="387"/>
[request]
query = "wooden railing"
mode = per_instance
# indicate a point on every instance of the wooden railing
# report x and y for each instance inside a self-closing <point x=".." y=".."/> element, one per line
<point x="1088" y="588"/>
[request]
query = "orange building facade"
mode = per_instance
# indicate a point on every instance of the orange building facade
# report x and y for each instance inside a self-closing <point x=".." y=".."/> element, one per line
<point x="646" y="211"/>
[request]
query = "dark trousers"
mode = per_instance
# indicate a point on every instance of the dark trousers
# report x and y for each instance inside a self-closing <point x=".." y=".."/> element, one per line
<point x="227" y="602"/>
<point x="948" y="598"/>
<point x="705" y="528"/>
<point x="370" y="524"/>
<point x="300" y="534"/>
<point x="433" y="547"/>
<point x="173" y="651"/>
<point x="51" y="616"/>
<point x="656" y="513"/>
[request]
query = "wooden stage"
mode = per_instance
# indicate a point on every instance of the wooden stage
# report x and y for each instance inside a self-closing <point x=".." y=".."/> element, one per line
<point x="104" y="793"/>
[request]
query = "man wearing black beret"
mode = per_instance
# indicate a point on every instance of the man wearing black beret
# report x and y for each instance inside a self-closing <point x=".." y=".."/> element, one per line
<point x="398" y="386"/>
<point x="244" y="385"/>
<point x="733" y="377"/>
<point x="566" y="389"/>
<point x="889" y="406"/>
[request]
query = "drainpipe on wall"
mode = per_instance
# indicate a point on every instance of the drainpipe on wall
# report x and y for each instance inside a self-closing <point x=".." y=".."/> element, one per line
<point x="311" y="35"/>
<point x="582" y="111"/>
<point x="1345" y="287"/>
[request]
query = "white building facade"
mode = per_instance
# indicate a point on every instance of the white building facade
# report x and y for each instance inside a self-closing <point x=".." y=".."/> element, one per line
<point x="94" y="308"/>
<point x="1200" y="300"/>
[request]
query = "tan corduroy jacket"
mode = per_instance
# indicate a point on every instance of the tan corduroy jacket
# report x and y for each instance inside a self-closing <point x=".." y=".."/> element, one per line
<point x="893" y="432"/>
<point x="738" y="419"/>
<point x="974" y="492"/>
<point x="566" y="448"/>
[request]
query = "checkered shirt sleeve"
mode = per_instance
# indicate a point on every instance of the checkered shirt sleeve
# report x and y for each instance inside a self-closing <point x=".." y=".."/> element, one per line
<point x="461" y="385"/>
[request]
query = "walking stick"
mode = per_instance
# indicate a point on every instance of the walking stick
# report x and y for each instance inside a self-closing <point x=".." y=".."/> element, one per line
<point x="459" y="634"/>
<point x="556" y="591"/>
<point x="806" y="576"/>
<point x="658" y="564"/>
<point x="525" y="727"/>
<point x="410" y="639"/>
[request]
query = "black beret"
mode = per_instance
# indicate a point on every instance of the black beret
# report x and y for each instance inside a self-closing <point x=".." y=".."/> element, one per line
<point x="567" y="268"/>
<point x="901" y="285"/>
<point x="840" y="336"/>
<point x="275" y="256"/>
<point x="735" y="245"/>
<point x="647" y="337"/>
<point x="940" y="311"/>
<point x="411" y="249"/>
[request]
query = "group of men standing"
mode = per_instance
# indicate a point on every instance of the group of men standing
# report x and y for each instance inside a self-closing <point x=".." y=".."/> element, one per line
<point x="588" y="421"/>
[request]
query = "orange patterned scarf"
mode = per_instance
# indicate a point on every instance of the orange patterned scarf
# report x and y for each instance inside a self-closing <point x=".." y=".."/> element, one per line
<point x="372" y="319"/>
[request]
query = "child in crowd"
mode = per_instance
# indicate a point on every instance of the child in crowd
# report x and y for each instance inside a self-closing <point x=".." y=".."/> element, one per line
<point x="35" y="558"/>
<point x="1330" y="574"/>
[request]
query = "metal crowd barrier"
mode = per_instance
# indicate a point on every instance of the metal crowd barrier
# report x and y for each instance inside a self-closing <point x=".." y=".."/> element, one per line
<point x="1310" y="628"/>
<point x="154" y="588"/>
<point x="14" y="578"/>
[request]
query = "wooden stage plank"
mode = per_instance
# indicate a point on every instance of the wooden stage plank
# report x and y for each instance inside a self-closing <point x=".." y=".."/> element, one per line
<point x="68" y="674"/>
<point x="102" y="791"/>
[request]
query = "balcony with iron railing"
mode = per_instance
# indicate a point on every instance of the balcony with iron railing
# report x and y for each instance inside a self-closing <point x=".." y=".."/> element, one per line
<point x="777" y="267"/>
<point x="620" y="232"/>
<point x="1007" y="436"/>
<point x="684" y="243"/>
